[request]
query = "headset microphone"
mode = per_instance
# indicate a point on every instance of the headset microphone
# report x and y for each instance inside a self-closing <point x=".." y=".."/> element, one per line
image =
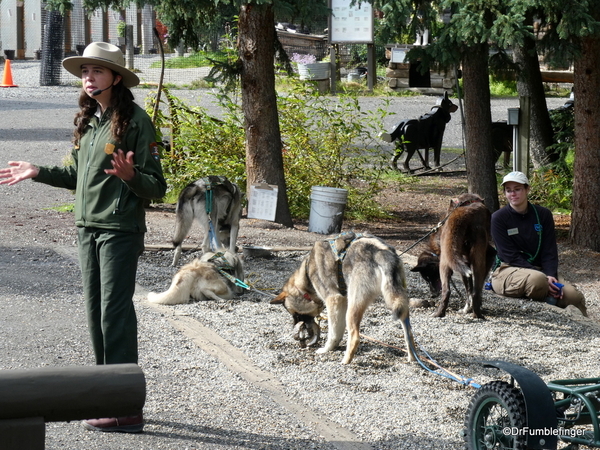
<point x="100" y="91"/>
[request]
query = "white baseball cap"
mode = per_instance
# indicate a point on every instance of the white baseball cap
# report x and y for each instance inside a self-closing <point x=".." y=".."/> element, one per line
<point x="517" y="177"/>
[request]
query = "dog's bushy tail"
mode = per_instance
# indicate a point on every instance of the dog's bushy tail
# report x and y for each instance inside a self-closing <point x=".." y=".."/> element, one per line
<point x="460" y="265"/>
<point x="398" y="290"/>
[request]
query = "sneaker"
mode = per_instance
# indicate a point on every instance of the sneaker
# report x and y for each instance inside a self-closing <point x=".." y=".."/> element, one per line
<point x="129" y="424"/>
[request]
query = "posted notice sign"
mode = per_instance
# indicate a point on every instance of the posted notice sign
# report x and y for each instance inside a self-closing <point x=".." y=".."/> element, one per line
<point x="263" y="201"/>
<point x="351" y="24"/>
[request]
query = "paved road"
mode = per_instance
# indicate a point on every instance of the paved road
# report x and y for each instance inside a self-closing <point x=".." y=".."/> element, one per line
<point x="209" y="396"/>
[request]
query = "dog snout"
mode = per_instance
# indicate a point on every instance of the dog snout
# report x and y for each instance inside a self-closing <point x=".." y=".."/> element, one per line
<point x="436" y="288"/>
<point x="307" y="332"/>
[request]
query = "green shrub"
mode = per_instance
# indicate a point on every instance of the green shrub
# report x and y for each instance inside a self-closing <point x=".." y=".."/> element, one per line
<point x="201" y="145"/>
<point x="503" y="87"/>
<point x="552" y="189"/>
<point x="324" y="144"/>
<point x="331" y="142"/>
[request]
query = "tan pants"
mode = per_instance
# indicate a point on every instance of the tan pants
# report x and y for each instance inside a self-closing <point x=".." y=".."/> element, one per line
<point x="519" y="282"/>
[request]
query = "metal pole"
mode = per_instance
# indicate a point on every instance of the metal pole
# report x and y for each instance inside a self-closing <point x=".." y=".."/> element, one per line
<point x="332" y="69"/>
<point x="371" y="67"/>
<point x="524" y="123"/>
<point x="516" y="149"/>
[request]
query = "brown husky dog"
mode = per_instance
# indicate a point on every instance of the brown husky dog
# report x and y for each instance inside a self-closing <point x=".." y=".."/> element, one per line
<point x="463" y="247"/>
<point x="346" y="275"/>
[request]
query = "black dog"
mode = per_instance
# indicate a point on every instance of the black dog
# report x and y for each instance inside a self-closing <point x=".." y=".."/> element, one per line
<point x="423" y="133"/>
<point x="502" y="141"/>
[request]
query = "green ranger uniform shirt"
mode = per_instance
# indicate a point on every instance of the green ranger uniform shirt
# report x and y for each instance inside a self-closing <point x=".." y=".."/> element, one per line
<point x="105" y="201"/>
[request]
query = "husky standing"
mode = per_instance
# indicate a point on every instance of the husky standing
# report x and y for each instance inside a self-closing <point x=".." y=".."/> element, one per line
<point x="213" y="200"/>
<point x="345" y="275"/>
<point x="463" y="246"/>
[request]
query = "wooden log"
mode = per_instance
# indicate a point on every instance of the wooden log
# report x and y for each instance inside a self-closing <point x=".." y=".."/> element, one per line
<point x="397" y="73"/>
<point x="23" y="434"/>
<point x="169" y="246"/>
<point x="72" y="393"/>
<point x="437" y="82"/>
<point x="557" y="76"/>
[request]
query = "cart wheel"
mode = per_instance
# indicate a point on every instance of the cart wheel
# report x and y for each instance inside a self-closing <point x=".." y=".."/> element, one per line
<point x="495" y="418"/>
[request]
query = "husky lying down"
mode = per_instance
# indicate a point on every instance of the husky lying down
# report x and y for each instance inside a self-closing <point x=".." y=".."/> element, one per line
<point x="345" y="275"/>
<point x="202" y="279"/>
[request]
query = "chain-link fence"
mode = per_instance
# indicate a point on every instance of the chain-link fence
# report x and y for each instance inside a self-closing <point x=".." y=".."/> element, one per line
<point x="51" y="36"/>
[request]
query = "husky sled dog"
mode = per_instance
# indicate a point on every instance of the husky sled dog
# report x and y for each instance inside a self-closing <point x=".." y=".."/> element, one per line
<point x="203" y="279"/>
<point x="423" y="133"/>
<point x="214" y="199"/>
<point x="463" y="247"/>
<point x="345" y="274"/>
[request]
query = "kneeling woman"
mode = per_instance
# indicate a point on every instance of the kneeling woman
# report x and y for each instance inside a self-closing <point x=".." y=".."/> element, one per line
<point x="526" y="244"/>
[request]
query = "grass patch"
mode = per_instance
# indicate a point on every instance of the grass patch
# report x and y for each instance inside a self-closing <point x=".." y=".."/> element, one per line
<point x="63" y="208"/>
<point x="200" y="59"/>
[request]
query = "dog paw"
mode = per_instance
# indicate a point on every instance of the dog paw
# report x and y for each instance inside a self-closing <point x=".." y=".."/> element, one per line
<point x="420" y="303"/>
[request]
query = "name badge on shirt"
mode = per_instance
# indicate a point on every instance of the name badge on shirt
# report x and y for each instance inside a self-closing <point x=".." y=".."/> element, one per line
<point x="109" y="148"/>
<point x="513" y="231"/>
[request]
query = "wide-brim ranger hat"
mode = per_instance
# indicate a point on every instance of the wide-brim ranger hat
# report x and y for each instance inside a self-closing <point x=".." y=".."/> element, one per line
<point x="517" y="177"/>
<point x="102" y="54"/>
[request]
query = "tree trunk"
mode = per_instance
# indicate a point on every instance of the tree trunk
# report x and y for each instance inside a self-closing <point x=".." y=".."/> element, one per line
<point x="264" y="159"/>
<point x="585" y="220"/>
<point x="529" y="84"/>
<point x="481" y="171"/>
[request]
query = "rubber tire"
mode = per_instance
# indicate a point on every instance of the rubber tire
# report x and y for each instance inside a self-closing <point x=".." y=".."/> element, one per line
<point x="506" y="403"/>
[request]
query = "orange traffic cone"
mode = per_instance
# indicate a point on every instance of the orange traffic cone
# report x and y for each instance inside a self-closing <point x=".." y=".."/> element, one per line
<point x="7" y="80"/>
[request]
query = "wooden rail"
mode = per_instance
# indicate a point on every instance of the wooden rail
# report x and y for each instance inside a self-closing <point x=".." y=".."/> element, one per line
<point x="30" y="398"/>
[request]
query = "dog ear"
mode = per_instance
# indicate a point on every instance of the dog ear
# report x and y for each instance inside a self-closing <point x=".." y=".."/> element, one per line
<point x="418" y="268"/>
<point x="279" y="299"/>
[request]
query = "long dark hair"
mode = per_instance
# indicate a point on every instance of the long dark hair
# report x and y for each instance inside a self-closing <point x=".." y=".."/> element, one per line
<point x="120" y="112"/>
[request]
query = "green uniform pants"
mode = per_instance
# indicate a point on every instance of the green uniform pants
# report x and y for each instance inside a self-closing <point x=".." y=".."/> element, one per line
<point x="108" y="261"/>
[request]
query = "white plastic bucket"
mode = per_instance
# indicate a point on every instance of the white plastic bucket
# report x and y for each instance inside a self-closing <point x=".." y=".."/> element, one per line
<point x="326" y="209"/>
<point x="353" y="77"/>
<point x="314" y="71"/>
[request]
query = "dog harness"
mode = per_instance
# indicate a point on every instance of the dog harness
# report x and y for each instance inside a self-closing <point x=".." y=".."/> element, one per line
<point x="340" y="254"/>
<point x="227" y="271"/>
<point x="222" y="265"/>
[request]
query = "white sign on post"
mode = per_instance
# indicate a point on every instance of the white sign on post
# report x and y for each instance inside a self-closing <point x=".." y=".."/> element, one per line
<point x="398" y="55"/>
<point x="263" y="201"/>
<point x="351" y="24"/>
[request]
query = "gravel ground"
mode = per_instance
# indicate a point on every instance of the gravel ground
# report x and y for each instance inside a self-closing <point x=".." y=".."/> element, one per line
<point x="256" y="389"/>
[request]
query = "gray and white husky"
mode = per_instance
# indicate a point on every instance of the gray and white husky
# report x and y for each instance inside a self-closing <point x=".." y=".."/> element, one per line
<point x="346" y="275"/>
<point x="215" y="198"/>
<point x="203" y="279"/>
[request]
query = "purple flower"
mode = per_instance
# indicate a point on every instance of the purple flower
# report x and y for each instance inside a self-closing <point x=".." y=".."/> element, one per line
<point x="303" y="59"/>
